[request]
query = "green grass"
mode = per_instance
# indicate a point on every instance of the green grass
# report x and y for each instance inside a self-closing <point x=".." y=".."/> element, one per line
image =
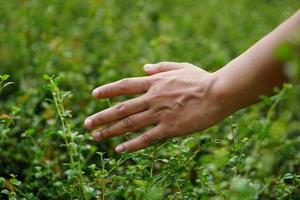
<point x="45" y="153"/>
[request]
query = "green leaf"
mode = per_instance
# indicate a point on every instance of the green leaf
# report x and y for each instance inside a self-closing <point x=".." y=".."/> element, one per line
<point x="5" y="192"/>
<point x="15" y="182"/>
<point x="67" y="114"/>
<point x="72" y="174"/>
<point x="7" y="84"/>
<point x="4" y="77"/>
<point x="47" y="77"/>
<point x="139" y="182"/>
<point x="288" y="176"/>
<point x="66" y="94"/>
<point x="2" y="181"/>
<point x="61" y="133"/>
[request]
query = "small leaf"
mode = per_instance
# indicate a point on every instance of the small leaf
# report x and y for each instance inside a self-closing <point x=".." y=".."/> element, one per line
<point x="4" y="77"/>
<point x="58" y="184"/>
<point x="29" y="132"/>
<point x="14" y="181"/>
<point x="163" y="160"/>
<point x="288" y="176"/>
<point x="2" y="181"/>
<point x="73" y="145"/>
<point x="67" y="114"/>
<point x="5" y="192"/>
<point x="88" y="190"/>
<point x="72" y="174"/>
<point x="92" y="166"/>
<point x="267" y="100"/>
<point x="47" y="77"/>
<point x="66" y="94"/>
<point x="7" y="84"/>
<point x="140" y="183"/>
<point x="62" y="134"/>
<point x="245" y="140"/>
<point x="100" y="153"/>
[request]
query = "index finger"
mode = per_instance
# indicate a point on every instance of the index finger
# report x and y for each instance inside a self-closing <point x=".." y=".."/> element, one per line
<point x="127" y="86"/>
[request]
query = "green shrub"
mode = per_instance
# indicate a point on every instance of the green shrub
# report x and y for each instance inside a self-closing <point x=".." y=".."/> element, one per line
<point x="45" y="153"/>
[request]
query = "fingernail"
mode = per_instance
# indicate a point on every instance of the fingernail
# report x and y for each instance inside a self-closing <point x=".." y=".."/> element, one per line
<point x="120" y="148"/>
<point x="97" y="135"/>
<point x="148" y="67"/>
<point x="95" y="92"/>
<point x="88" y="123"/>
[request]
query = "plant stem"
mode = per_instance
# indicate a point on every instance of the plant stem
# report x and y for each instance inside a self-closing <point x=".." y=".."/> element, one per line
<point x="102" y="182"/>
<point x="68" y="134"/>
<point x="70" y="152"/>
<point x="153" y="162"/>
<point x="191" y="158"/>
<point x="113" y="168"/>
<point x="238" y="163"/>
<point x="178" y="185"/>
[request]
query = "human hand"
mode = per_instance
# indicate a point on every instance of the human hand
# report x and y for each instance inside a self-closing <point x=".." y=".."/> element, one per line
<point x="179" y="98"/>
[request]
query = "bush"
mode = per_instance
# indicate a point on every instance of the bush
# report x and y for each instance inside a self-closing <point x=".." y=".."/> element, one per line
<point x="46" y="154"/>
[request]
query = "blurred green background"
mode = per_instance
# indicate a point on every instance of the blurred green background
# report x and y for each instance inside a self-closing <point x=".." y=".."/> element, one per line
<point x="101" y="41"/>
<point x="90" y="43"/>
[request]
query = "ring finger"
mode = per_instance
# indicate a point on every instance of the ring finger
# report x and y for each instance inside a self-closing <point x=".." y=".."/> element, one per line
<point x="130" y="123"/>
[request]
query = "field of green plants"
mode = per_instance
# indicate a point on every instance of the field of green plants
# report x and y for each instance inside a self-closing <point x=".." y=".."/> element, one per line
<point x="53" y="53"/>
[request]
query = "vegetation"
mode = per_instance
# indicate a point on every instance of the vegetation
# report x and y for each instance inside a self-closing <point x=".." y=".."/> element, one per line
<point x="55" y="52"/>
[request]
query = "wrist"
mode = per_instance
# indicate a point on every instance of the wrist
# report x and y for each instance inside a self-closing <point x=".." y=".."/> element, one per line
<point x="224" y="92"/>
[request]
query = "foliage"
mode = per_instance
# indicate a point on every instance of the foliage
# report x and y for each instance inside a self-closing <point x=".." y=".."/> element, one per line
<point x="3" y="82"/>
<point x="45" y="153"/>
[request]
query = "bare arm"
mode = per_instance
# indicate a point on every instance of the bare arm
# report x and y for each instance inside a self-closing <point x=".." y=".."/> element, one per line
<point x="180" y="98"/>
<point x="257" y="71"/>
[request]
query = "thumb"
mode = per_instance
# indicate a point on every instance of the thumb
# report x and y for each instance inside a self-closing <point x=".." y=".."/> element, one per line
<point x="151" y="69"/>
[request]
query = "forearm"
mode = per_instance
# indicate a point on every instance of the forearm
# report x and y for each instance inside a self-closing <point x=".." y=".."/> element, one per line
<point x="257" y="71"/>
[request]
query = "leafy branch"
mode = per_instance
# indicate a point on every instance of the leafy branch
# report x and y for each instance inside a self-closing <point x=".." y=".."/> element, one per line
<point x="66" y="133"/>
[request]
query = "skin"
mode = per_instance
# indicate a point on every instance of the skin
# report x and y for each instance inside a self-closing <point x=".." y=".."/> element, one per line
<point x="180" y="98"/>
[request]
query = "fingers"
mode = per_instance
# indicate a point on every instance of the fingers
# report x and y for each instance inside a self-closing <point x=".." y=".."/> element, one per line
<point x="123" y="87"/>
<point x="162" y="67"/>
<point x="116" y="112"/>
<point x="131" y="123"/>
<point x="142" y="141"/>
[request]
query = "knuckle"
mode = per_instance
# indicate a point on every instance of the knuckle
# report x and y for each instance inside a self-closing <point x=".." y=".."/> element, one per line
<point x="185" y="63"/>
<point x="127" y="123"/>
<point x="156" y="78"/>
<point x="124" y="83"/>
<point x="121" y="109"/>
<point x="146" y="83"/>
<point x="152" y="97"/>
<point x="169" y="126"/>
<point x="163" y="64"/>
<point x="170" y="129"/>
<point x="98" y="119"/>
<point x="146" y="138"/>
<point x="105" y="133"/>
<point x="146" y="101"/>
<point x="178" y="104"/>
<point x="128" y="146"/>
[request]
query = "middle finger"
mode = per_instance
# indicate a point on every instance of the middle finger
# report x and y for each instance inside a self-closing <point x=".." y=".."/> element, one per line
<point x="117" y="112"/>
